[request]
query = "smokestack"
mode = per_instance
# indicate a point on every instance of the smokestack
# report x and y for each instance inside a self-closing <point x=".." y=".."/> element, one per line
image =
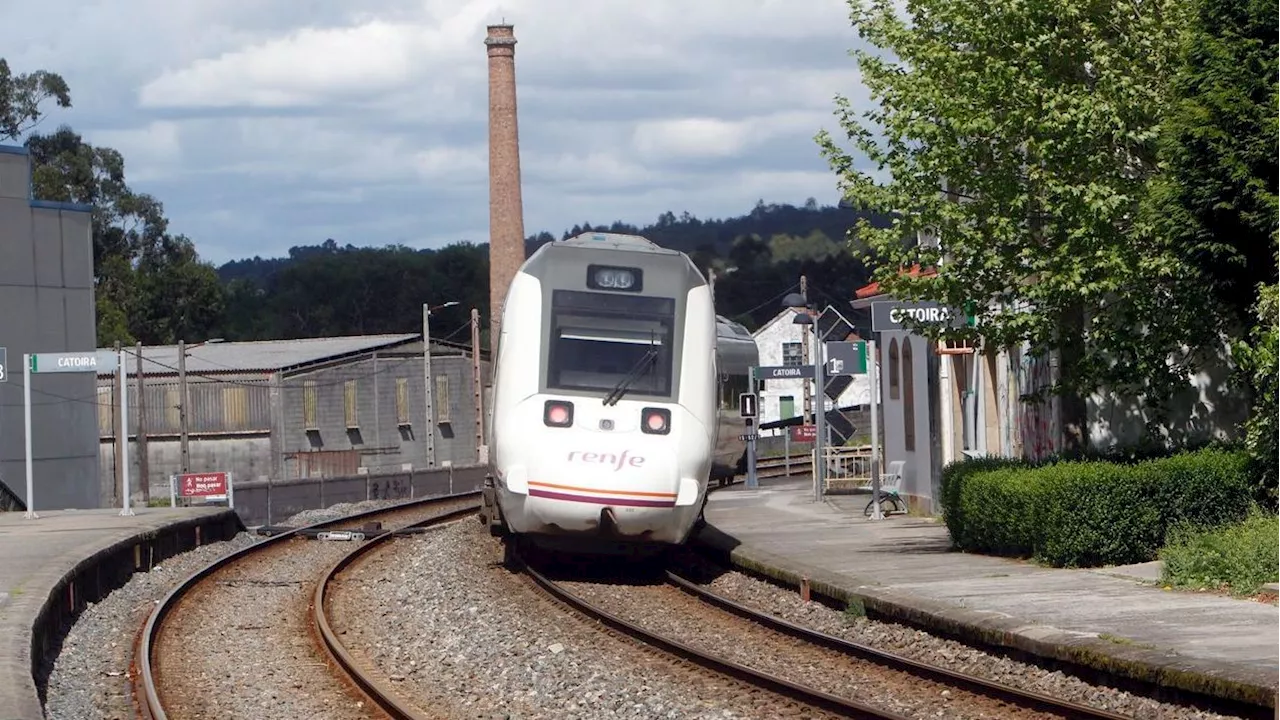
<point x="506" y="214"/>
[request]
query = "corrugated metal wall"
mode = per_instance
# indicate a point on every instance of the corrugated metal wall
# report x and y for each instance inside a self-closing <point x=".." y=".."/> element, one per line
<point x="226" y="406"/>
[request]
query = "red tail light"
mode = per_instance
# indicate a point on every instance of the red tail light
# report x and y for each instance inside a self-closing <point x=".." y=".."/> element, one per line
<point x="557" y="413"/>
<point x="655" y="421"/>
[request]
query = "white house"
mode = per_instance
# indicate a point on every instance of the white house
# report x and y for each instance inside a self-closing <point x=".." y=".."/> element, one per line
<point x="781" y="342"/>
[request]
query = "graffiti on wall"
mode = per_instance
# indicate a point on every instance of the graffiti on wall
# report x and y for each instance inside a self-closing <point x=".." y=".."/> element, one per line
<point x="1037" y="420"/>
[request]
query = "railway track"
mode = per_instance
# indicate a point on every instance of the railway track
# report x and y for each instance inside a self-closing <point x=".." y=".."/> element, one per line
<point x="161" y="687"/>
<point x="846" y="668"/>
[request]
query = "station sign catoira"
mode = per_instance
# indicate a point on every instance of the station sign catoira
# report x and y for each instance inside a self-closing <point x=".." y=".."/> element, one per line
<point x="900" y="316"/>
<point x="100" y="361"/>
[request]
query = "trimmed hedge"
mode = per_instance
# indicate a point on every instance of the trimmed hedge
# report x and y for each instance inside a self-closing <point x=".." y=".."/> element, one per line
<point x="1085" y="513"/>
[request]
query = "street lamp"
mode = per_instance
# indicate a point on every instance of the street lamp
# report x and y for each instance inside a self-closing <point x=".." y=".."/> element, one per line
<point x="796" y="301"/>
<point x="429" y="429"/>
<point x="183" y="348"/>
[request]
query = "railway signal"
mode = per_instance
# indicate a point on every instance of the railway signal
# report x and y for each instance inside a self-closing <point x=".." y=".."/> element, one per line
<point x="747" y="406"/>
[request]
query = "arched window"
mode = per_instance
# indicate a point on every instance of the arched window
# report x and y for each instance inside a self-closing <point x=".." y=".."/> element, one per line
<point x="908" y="397"/>
<point x="893" y="369"/>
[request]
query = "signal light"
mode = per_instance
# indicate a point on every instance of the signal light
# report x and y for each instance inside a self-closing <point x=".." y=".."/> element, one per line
<point x="655" y="421"/>
<point x="557" y="413"/>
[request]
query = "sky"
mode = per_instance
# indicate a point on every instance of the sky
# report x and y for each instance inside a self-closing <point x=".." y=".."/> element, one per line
<point x="265" y="124"/>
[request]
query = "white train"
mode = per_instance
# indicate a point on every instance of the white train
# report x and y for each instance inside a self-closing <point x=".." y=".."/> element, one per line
<point x="615" y="398"/>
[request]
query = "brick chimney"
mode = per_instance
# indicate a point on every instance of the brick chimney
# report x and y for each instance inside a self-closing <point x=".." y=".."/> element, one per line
<point x="506" y="214"/>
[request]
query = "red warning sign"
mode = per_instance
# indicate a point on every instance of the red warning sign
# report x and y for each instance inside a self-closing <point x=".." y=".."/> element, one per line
<point x="203" y="484"/>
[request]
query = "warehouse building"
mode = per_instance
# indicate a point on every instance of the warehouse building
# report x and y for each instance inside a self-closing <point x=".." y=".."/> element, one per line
<point x="287" y="409"/>
<point x="46" y="289"/>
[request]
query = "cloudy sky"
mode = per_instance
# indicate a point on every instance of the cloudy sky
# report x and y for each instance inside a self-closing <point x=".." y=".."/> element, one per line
<point x="262" y="124"/>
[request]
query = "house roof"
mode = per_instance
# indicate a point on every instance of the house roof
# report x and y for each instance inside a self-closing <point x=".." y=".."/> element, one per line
<point x="827" y="322"/>
<point x="873" y="289"/>
<point x="262" y="355"/>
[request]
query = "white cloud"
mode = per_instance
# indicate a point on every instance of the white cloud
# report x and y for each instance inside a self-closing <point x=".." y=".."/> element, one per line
<point x="263" y="124"/>
<point x="690" y="137"/>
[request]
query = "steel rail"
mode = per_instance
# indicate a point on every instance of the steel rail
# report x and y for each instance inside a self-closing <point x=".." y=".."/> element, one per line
<point x="785" y="688"/>
<point x="1005" y="693"/>
<point x="378" y="692"/>
<point x="149" y="703"/>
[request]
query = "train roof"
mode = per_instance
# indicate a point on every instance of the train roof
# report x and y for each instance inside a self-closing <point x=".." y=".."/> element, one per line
<point x="615" y="241"/>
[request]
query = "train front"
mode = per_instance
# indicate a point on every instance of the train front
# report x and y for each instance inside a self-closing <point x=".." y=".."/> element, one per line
<point x="604" y="403"/>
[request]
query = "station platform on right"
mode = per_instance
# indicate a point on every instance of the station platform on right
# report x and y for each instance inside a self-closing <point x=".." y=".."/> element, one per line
<point x="903" y="567"/>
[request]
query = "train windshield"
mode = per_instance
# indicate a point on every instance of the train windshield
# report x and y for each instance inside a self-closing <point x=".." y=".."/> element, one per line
<point x="601" y="341"/>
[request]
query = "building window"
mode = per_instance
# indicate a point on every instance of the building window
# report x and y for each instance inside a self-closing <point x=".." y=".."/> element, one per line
<point x="309" y="406"/>
<point x="908" y="398"/>
<point x="106" y="410"/>
<point x="786" y="407"/>
<point x="172" y="408"/>
<point x="353" y="416"/>
<point x="792" y="353"/>
<point x="235" y="408"/>
<point x="893" y="369"/>
<point x="442" y="399"/>
<point x="402" y="401"/>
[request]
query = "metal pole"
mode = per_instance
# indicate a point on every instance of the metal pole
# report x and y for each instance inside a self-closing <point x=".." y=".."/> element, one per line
<point x="804" y="356"/>
<point x="477" y="385"/>
<point x="820" y="413"/>
<point x="126" y="505"/>
<point x="144" y="470"/>
<point x="26" y="421"/>
<point x="429" y="428"/>
<point x="183" y="404"/>
<point x="875" y="430"/>
<point x="752" y="479"/>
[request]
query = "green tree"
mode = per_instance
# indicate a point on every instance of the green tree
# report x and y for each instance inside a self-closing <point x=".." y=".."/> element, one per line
<point x="1218" y="199"/>
<point x="150" y="285"/>
<point x="21" y="96"/>
<point x="1039" y="120"/>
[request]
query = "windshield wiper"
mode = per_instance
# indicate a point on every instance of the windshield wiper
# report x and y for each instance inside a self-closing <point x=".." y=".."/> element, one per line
<point x="634" y="374"/>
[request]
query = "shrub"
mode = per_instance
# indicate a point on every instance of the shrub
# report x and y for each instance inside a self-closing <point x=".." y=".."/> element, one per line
<point x="1240" y="556"/>
<point x="1090" y="513"/>
<point x="953" y="480"/>
<point x="1260" y="368"/>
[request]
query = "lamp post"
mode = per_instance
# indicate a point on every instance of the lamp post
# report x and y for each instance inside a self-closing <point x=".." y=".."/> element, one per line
<point x="429" y="428"/>
<point x="185" y="402"/>
<point x="796" y="301"/>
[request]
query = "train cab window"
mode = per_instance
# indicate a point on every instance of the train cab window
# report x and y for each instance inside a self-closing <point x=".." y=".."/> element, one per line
<point x="596" y="345"/>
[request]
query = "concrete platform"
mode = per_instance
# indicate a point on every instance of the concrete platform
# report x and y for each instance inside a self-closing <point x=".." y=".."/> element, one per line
<point x="53" y="565"/>
<point x="1118" y="620"/>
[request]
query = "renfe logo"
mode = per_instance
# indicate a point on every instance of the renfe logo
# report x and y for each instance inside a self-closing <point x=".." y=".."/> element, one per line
<point x="617" y="461"/>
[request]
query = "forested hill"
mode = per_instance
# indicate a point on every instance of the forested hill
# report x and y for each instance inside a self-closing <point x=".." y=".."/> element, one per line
<point x="332" y="289"/>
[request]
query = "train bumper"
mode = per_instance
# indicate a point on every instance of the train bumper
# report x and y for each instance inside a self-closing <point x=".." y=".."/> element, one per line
<point x="651" y="511"/>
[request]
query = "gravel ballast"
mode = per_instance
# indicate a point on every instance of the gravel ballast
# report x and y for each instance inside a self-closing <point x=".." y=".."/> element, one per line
<point x="89" y="676"/>
<point x="468" y="638"/>
<point x="945" y="653"/>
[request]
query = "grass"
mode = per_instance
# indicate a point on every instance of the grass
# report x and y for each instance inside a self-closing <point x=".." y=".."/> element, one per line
<point x="1238" y="558"/>
<point x="854" y="610"/>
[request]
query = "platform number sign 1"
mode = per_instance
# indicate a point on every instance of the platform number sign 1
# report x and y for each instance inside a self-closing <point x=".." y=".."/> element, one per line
<point x="4" y="364"/>
<point x="747" y="405"/>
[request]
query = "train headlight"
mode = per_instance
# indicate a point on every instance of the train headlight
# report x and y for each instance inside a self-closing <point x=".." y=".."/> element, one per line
<point x="605" y="277"/>
<point x="655" y="421"/>
<point x="557" y="413"/>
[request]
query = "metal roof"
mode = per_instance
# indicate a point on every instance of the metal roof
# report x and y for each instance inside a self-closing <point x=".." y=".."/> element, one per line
<point x="261" y="355"/>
